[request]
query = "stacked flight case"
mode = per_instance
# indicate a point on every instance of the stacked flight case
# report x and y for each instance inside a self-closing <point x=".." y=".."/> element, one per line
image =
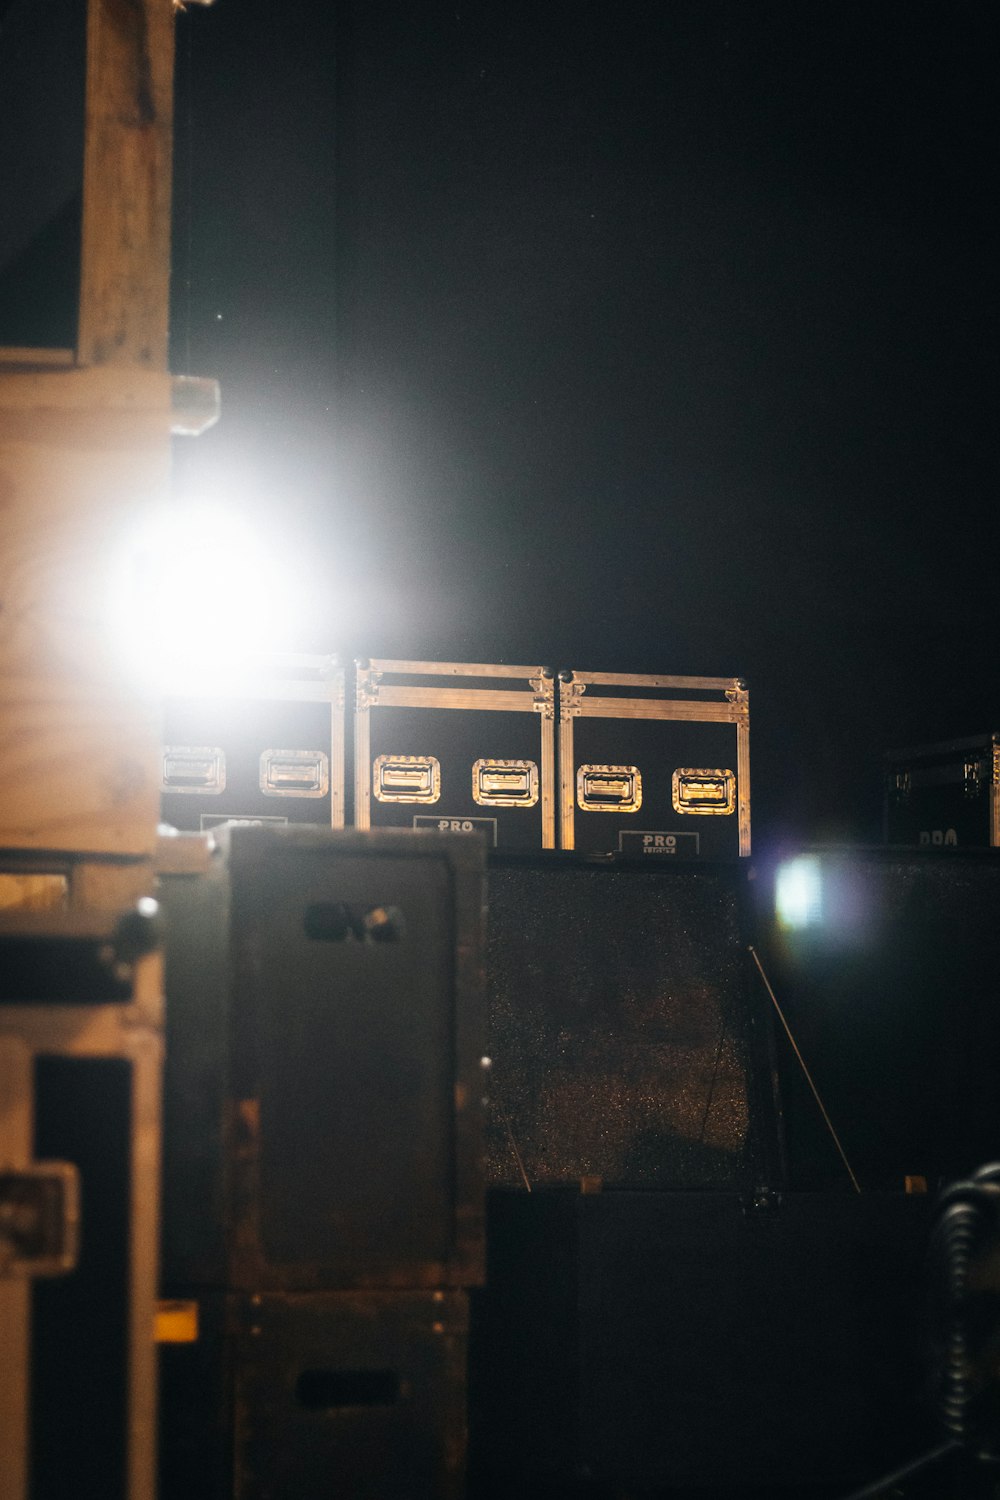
<point x="458" y="748"/>
<point x="323" y="1185"/>
<point x="945" y="795"/>
<point x="654" y="767"/>
<point x="266" y="747"/>
<point x="80" y="1071"/>
<point x="630" y="765"/>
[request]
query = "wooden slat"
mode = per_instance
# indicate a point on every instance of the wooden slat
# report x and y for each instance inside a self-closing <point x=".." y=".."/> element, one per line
<point x="32" y="358"/>
<point x="79" y="451"/>
<point x="125" y="249"/>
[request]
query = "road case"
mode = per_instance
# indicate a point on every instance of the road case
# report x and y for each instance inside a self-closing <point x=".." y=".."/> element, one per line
<point x="456" y="747"/>
<point x="655" y="767"/>
<point x="686" y="1344"/>
<point x="309" y="1396"/>
<point x="265" y="746"/>
<point x="946" y="794"/>
<point x="80" y="1073"/>
<point x="323" y="1086"/>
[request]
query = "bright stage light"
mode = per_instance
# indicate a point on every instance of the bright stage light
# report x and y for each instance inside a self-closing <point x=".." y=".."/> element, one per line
<point x="195" y="592"/>
<point x="798" y="893"/>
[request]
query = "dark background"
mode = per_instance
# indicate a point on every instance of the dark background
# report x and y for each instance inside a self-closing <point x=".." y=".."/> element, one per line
<point x="657" y="337"/>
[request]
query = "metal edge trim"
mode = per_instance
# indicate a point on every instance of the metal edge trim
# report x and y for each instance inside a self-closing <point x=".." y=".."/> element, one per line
<point x="679" y="709"/>
<point x="362" y="768"/>
<point x="337" y="758"/>
<point x="143" y="1372"/>
<point x="548" y="756"/>
<point x="567" y="785"/>
<point x="743" y="785"/>
<point x="453" y="669"/>
<point x="651" y="680"/>
<point x="502" y="700"/>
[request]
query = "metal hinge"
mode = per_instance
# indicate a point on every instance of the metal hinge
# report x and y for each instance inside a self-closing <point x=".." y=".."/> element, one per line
<point x="544" y="689"/>
<point x="973" y="777"/>
<point x="367" y="688"/>
<point x="570" y="693"/>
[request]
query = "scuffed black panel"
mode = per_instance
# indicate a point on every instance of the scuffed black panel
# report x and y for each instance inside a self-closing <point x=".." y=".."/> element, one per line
<point x="621" y="1029"/>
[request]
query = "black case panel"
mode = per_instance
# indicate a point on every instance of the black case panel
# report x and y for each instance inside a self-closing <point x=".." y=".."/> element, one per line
<point x="324" y="1016"/>
<point x="353" y="1395"/>
<point x="349" y="1047"/>
<point x="931" y="801"/>
<point x="890" y="990"/>
<point x="457" y="738"/>
<point x="79" y="1321"/>
<point x="244" y="729"/>
<point x="676" y="1344"/>
<point x="657" y="748"/>
<point x="625" y="1042"/>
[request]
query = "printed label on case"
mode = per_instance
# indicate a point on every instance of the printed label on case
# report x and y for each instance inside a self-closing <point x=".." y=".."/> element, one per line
<point x="458" y="825"/>
<point x="634" y="841"/>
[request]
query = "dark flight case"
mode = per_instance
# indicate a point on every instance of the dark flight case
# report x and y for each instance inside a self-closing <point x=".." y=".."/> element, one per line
<point x="324" y="1081"/>
<point x="944" y="795"/>
<point x="81" y="1051"/>
<point x="458" y="748"/>
<point x="654" y="767"/>
<point x="266" y="747"/>
<point x="307" y="1396"/>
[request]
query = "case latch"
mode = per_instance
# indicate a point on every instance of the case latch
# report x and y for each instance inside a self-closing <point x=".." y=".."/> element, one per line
<point x="609" y="788"/>
<point x="406" y="778"/>
<point x="294" y="773"/>
<point x="704" y="793"/>
<point x="194" y="768"/>
<point x="505" y="783"/>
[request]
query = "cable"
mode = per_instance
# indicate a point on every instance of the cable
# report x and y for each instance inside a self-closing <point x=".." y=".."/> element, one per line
<point x="963" y="1262"/>
<point x="711" y="1086"/>
<point x="802" y="1064"/>
<point x="965" y="1302"/>
<point x="513" y="1144"/>
<point x="879" y="1487"/>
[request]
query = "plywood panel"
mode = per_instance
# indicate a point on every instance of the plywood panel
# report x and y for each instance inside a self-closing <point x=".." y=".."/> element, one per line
<point x="80" y="451"/>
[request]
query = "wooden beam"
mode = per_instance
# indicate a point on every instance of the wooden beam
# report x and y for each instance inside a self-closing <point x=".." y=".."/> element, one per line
<point x="80" y="450"/>
<point x="125" y="249"/>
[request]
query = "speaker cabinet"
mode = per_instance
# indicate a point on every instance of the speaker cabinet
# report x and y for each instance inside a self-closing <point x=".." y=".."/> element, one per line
<point x="627" y="1042"/>
<point x="885" y="962"/>
<point x="681" y="1343"/>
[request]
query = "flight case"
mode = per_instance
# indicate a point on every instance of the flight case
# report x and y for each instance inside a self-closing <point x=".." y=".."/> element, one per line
<point x="323" y="1124"/>
<point x="655" y="767"/>
<point x="458" y="748"/>
<point x="944" y="794"/>
<point x="264" y="747"/>
<point x="80" y="1077"/>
